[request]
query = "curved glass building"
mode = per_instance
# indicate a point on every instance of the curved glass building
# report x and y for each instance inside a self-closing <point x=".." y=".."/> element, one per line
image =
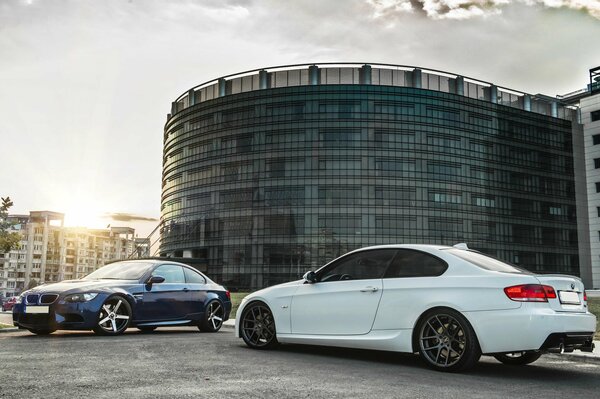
<point x="273" y="172"/>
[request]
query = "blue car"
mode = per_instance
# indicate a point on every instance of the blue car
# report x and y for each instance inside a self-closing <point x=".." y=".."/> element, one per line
<point x="142" y="293"/>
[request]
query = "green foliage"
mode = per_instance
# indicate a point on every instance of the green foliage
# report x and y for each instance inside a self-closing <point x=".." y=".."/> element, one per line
<point x="236" y="299"/>
<point x="8" y="240"/>
<point x="594" y="307"/>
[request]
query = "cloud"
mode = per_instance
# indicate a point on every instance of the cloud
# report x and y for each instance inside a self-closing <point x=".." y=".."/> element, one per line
<point x="128" y="217"/>
<point x="464" y="9"/>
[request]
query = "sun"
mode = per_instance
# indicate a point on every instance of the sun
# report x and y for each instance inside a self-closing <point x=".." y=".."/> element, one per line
<point x="84" y="215"/>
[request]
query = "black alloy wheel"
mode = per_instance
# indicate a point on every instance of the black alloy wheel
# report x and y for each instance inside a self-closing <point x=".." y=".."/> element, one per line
<point x="114" y="316"/>
<point x="446" y="341"/>
<point x="518" y="358"/>
<point x="213" y="317"/>
<point x="258" y="326"/>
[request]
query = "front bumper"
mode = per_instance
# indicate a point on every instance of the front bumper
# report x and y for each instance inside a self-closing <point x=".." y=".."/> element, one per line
<point x="61" y="315"/>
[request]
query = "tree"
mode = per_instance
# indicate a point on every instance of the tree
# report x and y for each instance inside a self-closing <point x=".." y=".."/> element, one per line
<point x="8" y="239"/>
<point x="32" y="283"/>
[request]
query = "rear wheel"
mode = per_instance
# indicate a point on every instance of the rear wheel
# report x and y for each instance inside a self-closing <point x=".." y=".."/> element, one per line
<point x="518" y="358"/>
<point x="114" y="316"/>
<point x="258" y="326"/>
<point x="41" y="332"/>
<point x="213" y="317"/>
<point x="446" y="341"/>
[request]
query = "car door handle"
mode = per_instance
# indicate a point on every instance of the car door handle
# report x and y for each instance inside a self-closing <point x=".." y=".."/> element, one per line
<point x="370" y="289"/>
<point x="185" y="290"/>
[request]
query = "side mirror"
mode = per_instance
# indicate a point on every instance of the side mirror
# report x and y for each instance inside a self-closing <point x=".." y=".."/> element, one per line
<point x="310" y="277"/>
<point x="155" y="280"/>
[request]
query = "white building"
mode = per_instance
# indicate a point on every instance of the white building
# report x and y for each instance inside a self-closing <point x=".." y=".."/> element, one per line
<point x="50" y="252"/>
<point x="588" y="218"/>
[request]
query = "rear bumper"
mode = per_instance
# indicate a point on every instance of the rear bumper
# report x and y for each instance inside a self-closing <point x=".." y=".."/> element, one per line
<point x="533" y="326"/>
<point x="568" y="342"/>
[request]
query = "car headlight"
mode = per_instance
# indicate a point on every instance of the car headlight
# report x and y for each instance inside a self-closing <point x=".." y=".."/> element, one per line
<point x="85" y="297"/>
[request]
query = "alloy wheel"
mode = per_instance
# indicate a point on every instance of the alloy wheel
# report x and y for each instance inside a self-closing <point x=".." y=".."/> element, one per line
<point x="114" y="316"/>
<point x="215" y="315"/>
<point x="258" y="326"/>
<point x="442" y="340"/>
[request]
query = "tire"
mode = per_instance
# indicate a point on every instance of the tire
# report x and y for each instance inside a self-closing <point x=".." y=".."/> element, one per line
<point x="146" y="330"/>
<point x="41" y="332"/>
<point x="518" y="358"/>
<point x="257" y="326"/>
<point x="114" y="316"/>
<point x="446" y="341"/>
<point x="212" y="320"/>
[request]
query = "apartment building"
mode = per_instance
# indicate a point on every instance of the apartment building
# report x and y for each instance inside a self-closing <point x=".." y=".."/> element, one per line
<point x="50" y="252"/>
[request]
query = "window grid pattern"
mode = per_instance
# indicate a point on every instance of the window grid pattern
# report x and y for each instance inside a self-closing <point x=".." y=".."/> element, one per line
<point x="273" y="183"/>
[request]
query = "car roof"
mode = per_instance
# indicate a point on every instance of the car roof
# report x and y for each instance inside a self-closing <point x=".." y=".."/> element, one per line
<point x="425" y="247"/>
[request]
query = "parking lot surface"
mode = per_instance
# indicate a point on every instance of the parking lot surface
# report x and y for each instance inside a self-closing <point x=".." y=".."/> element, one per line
<point x="181" y="362"/>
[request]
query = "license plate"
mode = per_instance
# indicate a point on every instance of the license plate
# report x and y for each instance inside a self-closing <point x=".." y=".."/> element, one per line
<point x="569" y="297"/>
<point x="37" y="309"/>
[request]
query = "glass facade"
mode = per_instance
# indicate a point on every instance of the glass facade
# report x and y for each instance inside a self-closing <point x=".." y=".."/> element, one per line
<point x="267" y="182"/>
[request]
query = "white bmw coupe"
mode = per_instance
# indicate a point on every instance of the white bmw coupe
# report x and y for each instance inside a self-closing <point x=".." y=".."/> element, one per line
<point x="449" y="304"/>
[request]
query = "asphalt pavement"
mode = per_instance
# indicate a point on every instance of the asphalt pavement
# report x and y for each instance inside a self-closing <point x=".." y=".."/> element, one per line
<point x="184" y="363"/>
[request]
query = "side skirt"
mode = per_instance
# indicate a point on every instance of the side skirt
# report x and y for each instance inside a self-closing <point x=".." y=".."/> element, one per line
<point x="385" y="340"/>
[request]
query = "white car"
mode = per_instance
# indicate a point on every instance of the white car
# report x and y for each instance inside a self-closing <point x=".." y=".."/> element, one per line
<point x="449" y="304"/>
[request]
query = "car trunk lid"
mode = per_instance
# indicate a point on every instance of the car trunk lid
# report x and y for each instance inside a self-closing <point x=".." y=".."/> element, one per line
<point x="569" y="292"/>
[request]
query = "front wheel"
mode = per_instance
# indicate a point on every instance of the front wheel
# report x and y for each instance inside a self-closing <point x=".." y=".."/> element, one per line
<point x="258" y="326"/>
<point x="518" y="358"/>
<point x="446" y="341"/>
<point x="114" y="316"/>
<point x="213" y="317"/>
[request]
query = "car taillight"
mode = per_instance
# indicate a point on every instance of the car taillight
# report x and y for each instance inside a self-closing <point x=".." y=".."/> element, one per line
<point x="585" y="296"/>
<point x="530" y="293"/>
<point x="228" y="294"/>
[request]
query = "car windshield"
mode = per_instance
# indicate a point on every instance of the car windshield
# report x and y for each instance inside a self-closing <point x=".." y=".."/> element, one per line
<point x="486" y="262"/>
<point x="120" y="271"/>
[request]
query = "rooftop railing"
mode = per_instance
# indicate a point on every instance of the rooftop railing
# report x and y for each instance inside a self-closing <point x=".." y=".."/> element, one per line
<point x="371" y="74"/>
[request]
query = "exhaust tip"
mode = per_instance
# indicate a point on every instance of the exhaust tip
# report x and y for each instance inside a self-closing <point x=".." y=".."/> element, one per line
<point x="560" y="349"/>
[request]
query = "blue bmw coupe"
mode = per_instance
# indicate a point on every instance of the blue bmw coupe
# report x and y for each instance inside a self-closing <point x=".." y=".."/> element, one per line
<point x="142" y="293"/>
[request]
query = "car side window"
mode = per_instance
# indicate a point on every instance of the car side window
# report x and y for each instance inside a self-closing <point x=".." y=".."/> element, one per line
<point x="192" y="277"/>
<point x="411" y="263"/>
<point x="359" y="266"/>
<point x="171" y="273"/>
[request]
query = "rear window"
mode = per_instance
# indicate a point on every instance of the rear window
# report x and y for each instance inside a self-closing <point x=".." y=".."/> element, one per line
<point x="486" y="262"/>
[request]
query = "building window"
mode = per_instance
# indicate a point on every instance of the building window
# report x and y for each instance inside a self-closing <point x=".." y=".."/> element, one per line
<point x="595" y="115"/>
<point x="598" y="187"/>
<point x="596" y="163"/>
<point x="596" y="139"/>
<point x="598" y="209"/>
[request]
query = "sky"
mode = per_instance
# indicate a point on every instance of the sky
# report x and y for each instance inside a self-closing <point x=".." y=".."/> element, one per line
<point x="85" y="85"/>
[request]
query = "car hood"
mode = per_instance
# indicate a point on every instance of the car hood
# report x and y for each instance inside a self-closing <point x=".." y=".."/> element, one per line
<point x="78" y="286"/>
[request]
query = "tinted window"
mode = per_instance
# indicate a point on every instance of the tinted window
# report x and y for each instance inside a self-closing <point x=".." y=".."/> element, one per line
<point x="359" y="266"/>
<point x="171" y="273"/>
<point x="120" y="271"/>
<point x="409" y="263"/>
<point x="193" y="277"/>
<point x="486" y="262"/>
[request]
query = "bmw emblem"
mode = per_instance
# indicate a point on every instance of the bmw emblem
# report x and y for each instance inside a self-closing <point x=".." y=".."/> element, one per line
<point x="572" y="286"/>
